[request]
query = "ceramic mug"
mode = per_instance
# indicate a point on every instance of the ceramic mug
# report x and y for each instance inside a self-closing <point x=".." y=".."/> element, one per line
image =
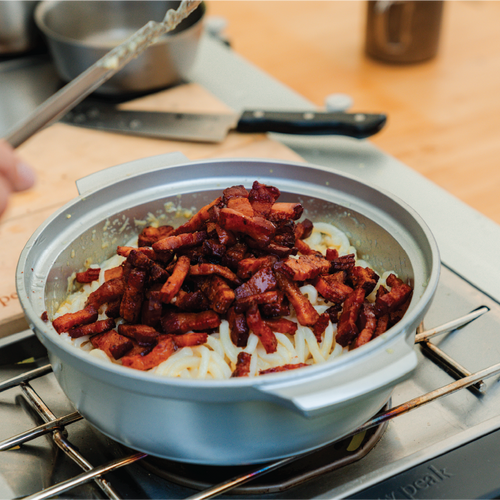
<point x="403" y="31"/>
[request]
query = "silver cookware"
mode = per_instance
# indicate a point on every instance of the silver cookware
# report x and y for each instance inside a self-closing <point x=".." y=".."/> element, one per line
<point x="236" y="421"/>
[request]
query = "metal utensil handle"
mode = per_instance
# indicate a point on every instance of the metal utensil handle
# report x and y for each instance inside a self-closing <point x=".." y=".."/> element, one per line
<point x="83" y="85"/>
<point x="378" y="419"/>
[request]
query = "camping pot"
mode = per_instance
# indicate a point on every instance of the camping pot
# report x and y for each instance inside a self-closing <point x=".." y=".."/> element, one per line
<point x="240" y="420"/>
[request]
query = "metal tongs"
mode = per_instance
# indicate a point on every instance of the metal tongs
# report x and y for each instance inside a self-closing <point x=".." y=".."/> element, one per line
<point x="75" y="91"/>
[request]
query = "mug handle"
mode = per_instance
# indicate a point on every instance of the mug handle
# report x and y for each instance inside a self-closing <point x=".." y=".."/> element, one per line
<point x="381" y="20"/>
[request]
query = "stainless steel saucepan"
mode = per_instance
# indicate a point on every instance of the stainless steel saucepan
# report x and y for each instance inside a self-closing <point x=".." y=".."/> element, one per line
<point x="236" y="421"/>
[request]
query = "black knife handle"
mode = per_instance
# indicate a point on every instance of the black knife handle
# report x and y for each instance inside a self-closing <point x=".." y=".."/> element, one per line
<point x="357" y="125"/>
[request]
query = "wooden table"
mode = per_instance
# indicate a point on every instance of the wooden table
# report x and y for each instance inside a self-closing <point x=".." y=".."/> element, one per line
<point x="444" y="114"/>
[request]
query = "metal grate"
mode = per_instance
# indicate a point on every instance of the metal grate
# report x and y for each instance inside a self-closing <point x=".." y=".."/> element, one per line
<point x="57" y="425"/>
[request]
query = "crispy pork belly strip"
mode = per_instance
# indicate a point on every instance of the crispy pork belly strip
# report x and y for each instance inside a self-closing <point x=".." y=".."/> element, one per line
<point x="303" y="229"/>
<point x="191" y="301"/>
<point x="160" y="352"/>
<point x="198" y="220"/>
<point x="271" y="297"/>
<point x="146" y="251"/>
<point x="91" y="274"/>
<point x="183" y="322"/>
<point x="67" y="321"/>
<point x="213" y="248"/>
<point x="143" y="334"/>
<point x="331" y="288"/>
<point x="206" y="269"/>
<point x="226" y="238"/>
<point x="285" y="211"/>
<point x="334" y="313"/>
<point x="262" y="198"/>
<point x="113" y="273"/>
<point x="249" y="266"/>
<point x="304" y="248"/>
<point x="112" y="343"/>
<point x="367" y="325"/>
<point x="92" y="328"/>
<point x="109" y="291"/>
<point x="399" y="294"/>
<point x="190" y="339"/>
<point x="150" y="235"/>
<point x="306" y="314"/>
<point x="365" y="278"/>
<point x="152" y="308"/>
<point x="382" y="325"/>
<point x="131" y="304"/>
<point x="306" y="267"/>
<point x="282" y="368"/>
<point x="259" y="328"/>
<point x="342" y="263"/>
<point x="174" y="282"/>
<point x="176" y="242"/>
<point x="242" y="365"/>
<point x="347" y="328"/>
<point x="234" y="255"/>
<point x="238" y="191"/>
<point x="320" y="326"/>
<point x="241" y="205"/>
<point x="238" y="327"/>
<point x="259" y="229"/>
<point x="282" y="325"/>
<point x="262" y="281"/>
<point x="219" y="293"/>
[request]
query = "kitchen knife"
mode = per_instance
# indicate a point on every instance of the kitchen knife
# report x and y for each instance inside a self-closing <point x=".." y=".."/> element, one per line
<point x="213" y="127"/>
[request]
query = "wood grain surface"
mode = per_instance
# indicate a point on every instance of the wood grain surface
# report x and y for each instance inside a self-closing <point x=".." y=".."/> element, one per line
<point x="443" y="114"/>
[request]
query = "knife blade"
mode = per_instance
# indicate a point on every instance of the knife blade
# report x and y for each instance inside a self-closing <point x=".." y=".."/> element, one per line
<point x="214" y="127"/>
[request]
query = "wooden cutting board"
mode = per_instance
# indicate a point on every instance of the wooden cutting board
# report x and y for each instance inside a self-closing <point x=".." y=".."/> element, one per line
<point x="62" y="154"/>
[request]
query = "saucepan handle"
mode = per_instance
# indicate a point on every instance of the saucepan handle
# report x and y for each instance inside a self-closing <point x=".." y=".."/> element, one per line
<point x="316" y="396"/>
<point x="111" y="175"/>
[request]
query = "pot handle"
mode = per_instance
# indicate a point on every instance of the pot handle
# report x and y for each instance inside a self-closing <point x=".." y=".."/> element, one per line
<point x="315" y="397"/>
<point x="111" y="175"/>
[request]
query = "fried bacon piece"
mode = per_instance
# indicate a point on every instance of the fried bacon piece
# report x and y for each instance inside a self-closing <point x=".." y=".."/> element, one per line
<point x="365" y="278"/>
<point x="398" y="295"/>
<point x="262" y="198"/>
<point x="342" y="263"/>
<point x="144" y="251"/>
<point x="175" y="281"/>
<point x="320" y="326"/>
<point x="190" y="339"/>
<point x="150" y="235"/>
<point x="219" y="293"/>
<point x="67" y="321"/>
<point x="304" y="248"/>
<point x="382" y="325"/>
<point x="181" y="241"/>
<point x="226" y="238"/>
<point x="367" y="325"/>
<point x="198" y="220"/>
<point x="238" y="327"/>
<point x="213" y="248"/>
<point x="160" y="352"/>
<point x="303" y="229"/>
<point x="306" y="267"/>
<point x="258" y="228"/>
<point x="113" y="308"/>
<point x="285" y="211"/>
<point x="131" y="304"/>
<point x="332" y="287"/>
<point x="191" y="301"/>
<point x="112" y="343"/>
<point x="234" y="255"/>
<point x="306" y="314"/>
<point x="109" y="291"/>
<point x="144" y="335"/>
<point x="334" y="312"/>
<point x="152" y="308"/>
<point x="234" y="192"/>
<point x="113" y="273"/>
<point x="222" y="271"/>
<point x="92" y="328"/>
<point x="282" y="325"/>
<point x="277" y="308"/>
<point x="262" y="281"/>
<point x="249" y="266"/>
<point x="242" y="368"/>
<point x="347" y="326"/>
<point x="91" y="274"/>
<point x="183" y="322"/>
<point x="263" y="331"/>
<point x="271" y="297"/>
<point x="241" y="205"/>
<point x="282" y="368"/>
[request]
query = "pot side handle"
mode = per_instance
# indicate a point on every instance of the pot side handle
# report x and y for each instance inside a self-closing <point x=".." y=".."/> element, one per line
<point x="316" y="397"/>
<point x="110" y="175"/>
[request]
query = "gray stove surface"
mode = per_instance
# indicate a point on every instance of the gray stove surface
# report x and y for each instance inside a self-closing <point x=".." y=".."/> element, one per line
<point x="466" y="283"/>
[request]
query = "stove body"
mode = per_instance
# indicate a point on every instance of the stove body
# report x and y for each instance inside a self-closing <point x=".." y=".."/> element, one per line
<point x="446" y="449"/>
